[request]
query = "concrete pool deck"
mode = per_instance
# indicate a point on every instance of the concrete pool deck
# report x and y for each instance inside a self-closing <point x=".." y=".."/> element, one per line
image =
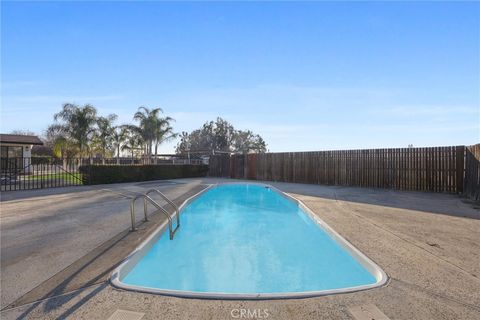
<point x="58" y="246"/>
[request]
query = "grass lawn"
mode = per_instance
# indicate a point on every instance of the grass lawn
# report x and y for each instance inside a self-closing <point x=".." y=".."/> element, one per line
<point x="73" y="177"/>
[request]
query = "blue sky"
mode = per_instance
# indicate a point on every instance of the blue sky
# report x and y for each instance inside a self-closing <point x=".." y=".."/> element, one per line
<point x="306" y="76"/>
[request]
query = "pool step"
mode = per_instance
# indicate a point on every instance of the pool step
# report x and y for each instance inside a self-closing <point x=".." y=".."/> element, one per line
<point x="367" y="312"/>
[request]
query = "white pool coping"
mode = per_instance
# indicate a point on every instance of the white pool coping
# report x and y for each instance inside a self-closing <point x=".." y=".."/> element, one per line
<point x="132" y="259"/>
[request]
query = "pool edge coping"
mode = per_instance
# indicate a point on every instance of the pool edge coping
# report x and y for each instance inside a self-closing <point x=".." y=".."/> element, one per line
<point x="141" y="250"/>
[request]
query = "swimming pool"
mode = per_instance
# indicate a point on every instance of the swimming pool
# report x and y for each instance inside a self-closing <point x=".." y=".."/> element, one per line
<point x="247" y="241"/>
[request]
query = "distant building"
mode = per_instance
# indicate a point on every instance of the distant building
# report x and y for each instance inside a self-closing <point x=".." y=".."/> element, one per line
<point x="17" y="149"/>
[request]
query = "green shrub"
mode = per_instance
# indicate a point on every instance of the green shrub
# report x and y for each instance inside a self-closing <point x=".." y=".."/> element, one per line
<point x="100" y="174"/>
<point x="42" y="160"/>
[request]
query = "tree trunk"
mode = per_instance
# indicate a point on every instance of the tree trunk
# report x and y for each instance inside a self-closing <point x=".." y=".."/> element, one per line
<point x="118" y="154"/>
<point x="150" y="153"/>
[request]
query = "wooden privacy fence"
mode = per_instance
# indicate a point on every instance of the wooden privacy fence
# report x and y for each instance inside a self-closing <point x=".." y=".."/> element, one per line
<point x="219" y="165"/>
<point x="438" y="169"/>
<point x="471" y="183"/>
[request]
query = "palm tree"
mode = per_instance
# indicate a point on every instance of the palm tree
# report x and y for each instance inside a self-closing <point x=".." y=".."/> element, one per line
<point x="163" y="132"/>
<point x="120" y="135"/>
<point x="61" y="146"/>
<point x="146" y="126"/>
<point x="78" y="124"/>
<point x="132" y="142"/>
<point x="105" y="132"/>
<point x="152" y="128"/>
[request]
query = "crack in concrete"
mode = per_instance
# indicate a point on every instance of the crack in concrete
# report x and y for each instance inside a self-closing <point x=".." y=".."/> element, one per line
<point x="357" y="214"/>
<point x="438" y="295"/>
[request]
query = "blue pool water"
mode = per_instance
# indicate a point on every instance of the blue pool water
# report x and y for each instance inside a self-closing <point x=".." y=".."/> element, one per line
<point x="245" y="238"/>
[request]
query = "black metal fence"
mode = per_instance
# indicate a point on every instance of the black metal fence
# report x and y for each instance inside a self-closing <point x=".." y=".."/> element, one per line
<point x="39" y="173"/>
<point x="18" y="173"/>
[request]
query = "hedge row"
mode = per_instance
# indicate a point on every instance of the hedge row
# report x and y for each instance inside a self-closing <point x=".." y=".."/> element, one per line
<point x="101" y="174"/>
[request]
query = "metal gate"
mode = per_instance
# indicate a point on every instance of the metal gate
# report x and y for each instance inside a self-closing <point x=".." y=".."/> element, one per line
<point x="39" y="172"/>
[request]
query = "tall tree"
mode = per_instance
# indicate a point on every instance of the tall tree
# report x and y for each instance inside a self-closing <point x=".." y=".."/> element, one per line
<point x="220" y="135"/>
<point x="120" y="135"/>
<point x="153" y="128"/>
<point x="77" y="124"/>
<point x="163" y="132"/>
<point x="23" y="132"/>
<point x="146" y="125"/>
<point x="184" y="144"/>
<point x="133" y="143"/>
<point x="247" y="141"/>
<point x="59" y="143"/>
<point x="105" y="132"/>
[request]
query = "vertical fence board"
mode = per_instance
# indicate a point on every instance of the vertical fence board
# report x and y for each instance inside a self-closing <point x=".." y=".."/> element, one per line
<point x="437" y="169"/>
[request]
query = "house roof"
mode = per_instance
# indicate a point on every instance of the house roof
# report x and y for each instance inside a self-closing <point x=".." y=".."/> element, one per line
<point x="20" y="139"/>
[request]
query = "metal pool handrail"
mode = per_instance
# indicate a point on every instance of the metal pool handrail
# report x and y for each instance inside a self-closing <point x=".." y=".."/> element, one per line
<point x="146" y="199"/>
<point x="170" y="202"/>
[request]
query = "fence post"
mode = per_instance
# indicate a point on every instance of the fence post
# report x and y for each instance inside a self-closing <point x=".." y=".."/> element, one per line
<point x="460" y="168"/>
<point x="471" y="183"/>
<point x="245" y="165"/>
<point x="90" y="174"/>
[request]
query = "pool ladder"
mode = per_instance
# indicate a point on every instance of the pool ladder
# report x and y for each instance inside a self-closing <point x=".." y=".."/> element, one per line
<point x="146" y="200"/>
